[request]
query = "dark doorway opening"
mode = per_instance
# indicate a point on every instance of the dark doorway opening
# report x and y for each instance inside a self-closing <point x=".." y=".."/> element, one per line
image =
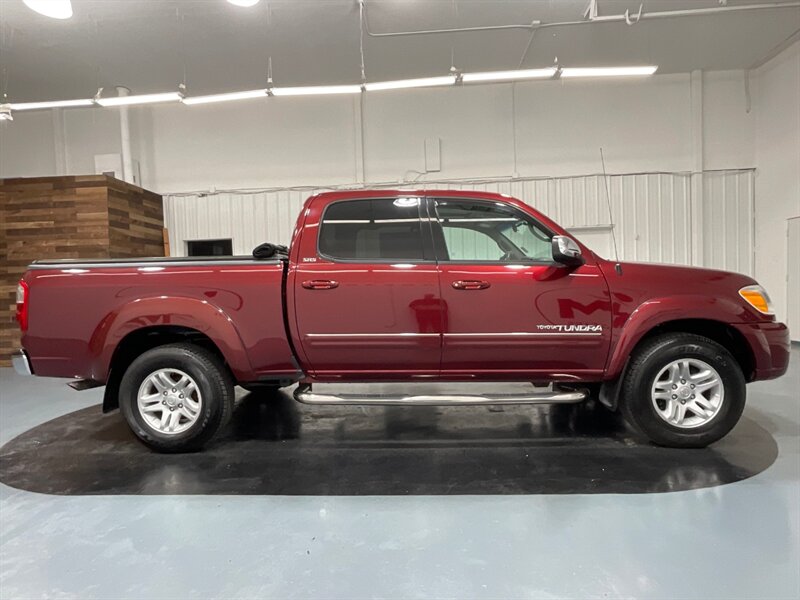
<point x="210" y="248"/>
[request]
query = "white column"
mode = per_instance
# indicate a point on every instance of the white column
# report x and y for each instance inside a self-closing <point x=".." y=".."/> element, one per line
<point x="125" y="138"/>
<point x="698" y="163"/>
<point x="59" y="141"/>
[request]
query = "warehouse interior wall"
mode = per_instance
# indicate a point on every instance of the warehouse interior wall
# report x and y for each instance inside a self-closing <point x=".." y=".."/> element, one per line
<point x="777" y="145"/>
<point x="544" y="128"/>
<point x="27" y="146"/>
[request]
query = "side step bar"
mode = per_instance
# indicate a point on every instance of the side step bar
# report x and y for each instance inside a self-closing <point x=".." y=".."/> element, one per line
<point x="304" y="394"/>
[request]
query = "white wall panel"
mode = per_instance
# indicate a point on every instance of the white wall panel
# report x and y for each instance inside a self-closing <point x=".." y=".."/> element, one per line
<point x="642" y="125"/>
<point x="27" y="145"/>
<point x="650" y="211"/>
<point x="234" y="145"/>
<point x="728" y="219"/>
<point x="776" y="101"/>
<point x="247" y="219"/>
<point x="652" y="214"/>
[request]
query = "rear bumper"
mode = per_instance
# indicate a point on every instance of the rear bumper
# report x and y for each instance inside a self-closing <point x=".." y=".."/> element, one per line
<point x="21" y="362"/>
<point x="771" y="348"/>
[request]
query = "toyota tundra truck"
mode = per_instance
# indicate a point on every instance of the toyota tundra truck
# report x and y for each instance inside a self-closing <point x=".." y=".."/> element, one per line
<point x="404" y="287"/>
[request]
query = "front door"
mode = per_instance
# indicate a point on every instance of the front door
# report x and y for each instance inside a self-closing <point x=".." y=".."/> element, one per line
<point x="366" y="292"/>
<point x="511" y="312"/>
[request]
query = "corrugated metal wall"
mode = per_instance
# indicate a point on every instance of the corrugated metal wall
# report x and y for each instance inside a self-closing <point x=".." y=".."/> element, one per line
<point x="728" y="216"/>
<point x="247" y="219"/>
<point x="653" y="212"/>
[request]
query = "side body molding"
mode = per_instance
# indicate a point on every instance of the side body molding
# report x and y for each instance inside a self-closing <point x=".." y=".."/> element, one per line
<point x="180" y="311"/>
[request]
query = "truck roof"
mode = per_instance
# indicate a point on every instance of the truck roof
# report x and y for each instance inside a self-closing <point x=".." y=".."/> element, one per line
<point x="323" y="199"/>
<point x="378" y="193"/>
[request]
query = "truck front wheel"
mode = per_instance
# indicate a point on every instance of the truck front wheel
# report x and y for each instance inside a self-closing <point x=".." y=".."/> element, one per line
<point x="683" y="390"/>
<point x="176" y="397"/>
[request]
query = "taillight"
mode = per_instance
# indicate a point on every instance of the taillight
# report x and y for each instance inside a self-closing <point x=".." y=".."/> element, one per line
<point x="22" y="305"/>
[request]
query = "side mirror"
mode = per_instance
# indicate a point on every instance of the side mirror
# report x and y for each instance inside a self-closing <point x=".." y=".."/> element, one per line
<point x="566" y="251"/>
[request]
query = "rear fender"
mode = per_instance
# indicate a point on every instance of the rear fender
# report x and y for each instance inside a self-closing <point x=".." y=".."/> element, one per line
<point x="181" y="311"/>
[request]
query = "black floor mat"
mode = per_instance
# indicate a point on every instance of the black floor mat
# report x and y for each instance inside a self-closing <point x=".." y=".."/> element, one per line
<point x="276" y="446"/>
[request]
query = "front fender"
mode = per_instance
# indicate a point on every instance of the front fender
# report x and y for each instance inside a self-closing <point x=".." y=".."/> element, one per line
<point x="181" y="311"/>
<point x="657" y="311"/>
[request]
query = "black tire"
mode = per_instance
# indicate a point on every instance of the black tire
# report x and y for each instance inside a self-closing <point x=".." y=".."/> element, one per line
<point x="213" y="381"/>
<point x="648" y="361"/>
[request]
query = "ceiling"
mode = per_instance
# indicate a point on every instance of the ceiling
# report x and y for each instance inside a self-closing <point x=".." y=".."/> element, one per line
<point x="150" y="45"/>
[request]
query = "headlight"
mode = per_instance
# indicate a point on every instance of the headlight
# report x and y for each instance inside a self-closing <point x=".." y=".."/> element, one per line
<point x="757" y="297"/>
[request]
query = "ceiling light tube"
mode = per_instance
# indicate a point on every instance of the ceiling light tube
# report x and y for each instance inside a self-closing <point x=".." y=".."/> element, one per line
<point x="315" y="90"/>
<point x="226" y="97"/>
<point x="53" y="104"/>
<point x="608" y="71"/>
<point x="143" y="99"/>
<point x="410" y="83"/>
<point x="244" y="3"/>
<point x="509" y="75"/>
<point x="55" y="9"/>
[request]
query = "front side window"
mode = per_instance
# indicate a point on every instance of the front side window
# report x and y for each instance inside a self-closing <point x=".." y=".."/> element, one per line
<point x="491" y="232"/>
<point x="365" y="230"/>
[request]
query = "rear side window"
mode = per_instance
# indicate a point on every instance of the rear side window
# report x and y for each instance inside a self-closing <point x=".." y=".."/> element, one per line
<point x="382" y="229"/>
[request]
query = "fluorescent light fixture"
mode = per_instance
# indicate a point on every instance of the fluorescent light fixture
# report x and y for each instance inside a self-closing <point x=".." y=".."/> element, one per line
<point x="226" y="97"/>
<point x="53" y="104"/>
<point x="608" y="71"/>
<point x="55" y="9"/>
<point x="509" y="75"/>
<point x="410" y="83"/>
<point x="5" y="113"/>
<point x="244" y="3"/>
<point x="143" y="99"/>
<point x="315" y="90"/>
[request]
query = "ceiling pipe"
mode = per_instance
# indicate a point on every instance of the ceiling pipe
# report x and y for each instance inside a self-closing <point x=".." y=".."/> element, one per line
<point x="592" y="18"/>
<point x="688" y="12"/>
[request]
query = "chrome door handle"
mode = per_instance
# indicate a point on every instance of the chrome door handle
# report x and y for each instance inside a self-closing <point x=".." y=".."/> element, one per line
<point x="320" y="284"/>
<point x="471" y="284"/>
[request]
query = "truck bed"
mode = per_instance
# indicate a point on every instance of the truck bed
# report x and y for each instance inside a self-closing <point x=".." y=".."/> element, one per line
<point x="237" y="302"/>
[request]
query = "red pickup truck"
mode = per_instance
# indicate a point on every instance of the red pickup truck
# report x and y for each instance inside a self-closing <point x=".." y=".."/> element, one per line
<point x="390" y="286"/>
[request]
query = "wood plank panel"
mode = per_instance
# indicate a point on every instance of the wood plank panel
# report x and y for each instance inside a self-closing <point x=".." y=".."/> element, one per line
<point x="87" y="216"/>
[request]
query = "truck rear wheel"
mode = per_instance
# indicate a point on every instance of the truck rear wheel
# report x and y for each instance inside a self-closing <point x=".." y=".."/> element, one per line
<point x="176" y="397"/>
<point x="683" y="390"/>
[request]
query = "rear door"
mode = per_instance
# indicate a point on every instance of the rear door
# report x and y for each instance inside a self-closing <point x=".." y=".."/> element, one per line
<point x="510" y="311"/>
<point x="366" y="291"/>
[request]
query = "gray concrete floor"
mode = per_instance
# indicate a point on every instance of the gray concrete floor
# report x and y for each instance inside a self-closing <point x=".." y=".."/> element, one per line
<point x="740" y="540"/>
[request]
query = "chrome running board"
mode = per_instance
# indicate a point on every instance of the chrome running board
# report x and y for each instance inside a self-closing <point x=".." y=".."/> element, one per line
<point x="304" y="394"/>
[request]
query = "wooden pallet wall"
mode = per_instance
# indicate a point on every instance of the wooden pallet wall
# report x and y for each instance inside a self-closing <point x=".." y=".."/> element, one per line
<point x="136" y="221"/>
<point x="91" y="216"/>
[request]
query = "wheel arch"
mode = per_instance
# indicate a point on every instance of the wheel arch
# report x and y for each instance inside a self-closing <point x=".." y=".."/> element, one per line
<point x="143" y="339"/>
<point x="722" y="333"/>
